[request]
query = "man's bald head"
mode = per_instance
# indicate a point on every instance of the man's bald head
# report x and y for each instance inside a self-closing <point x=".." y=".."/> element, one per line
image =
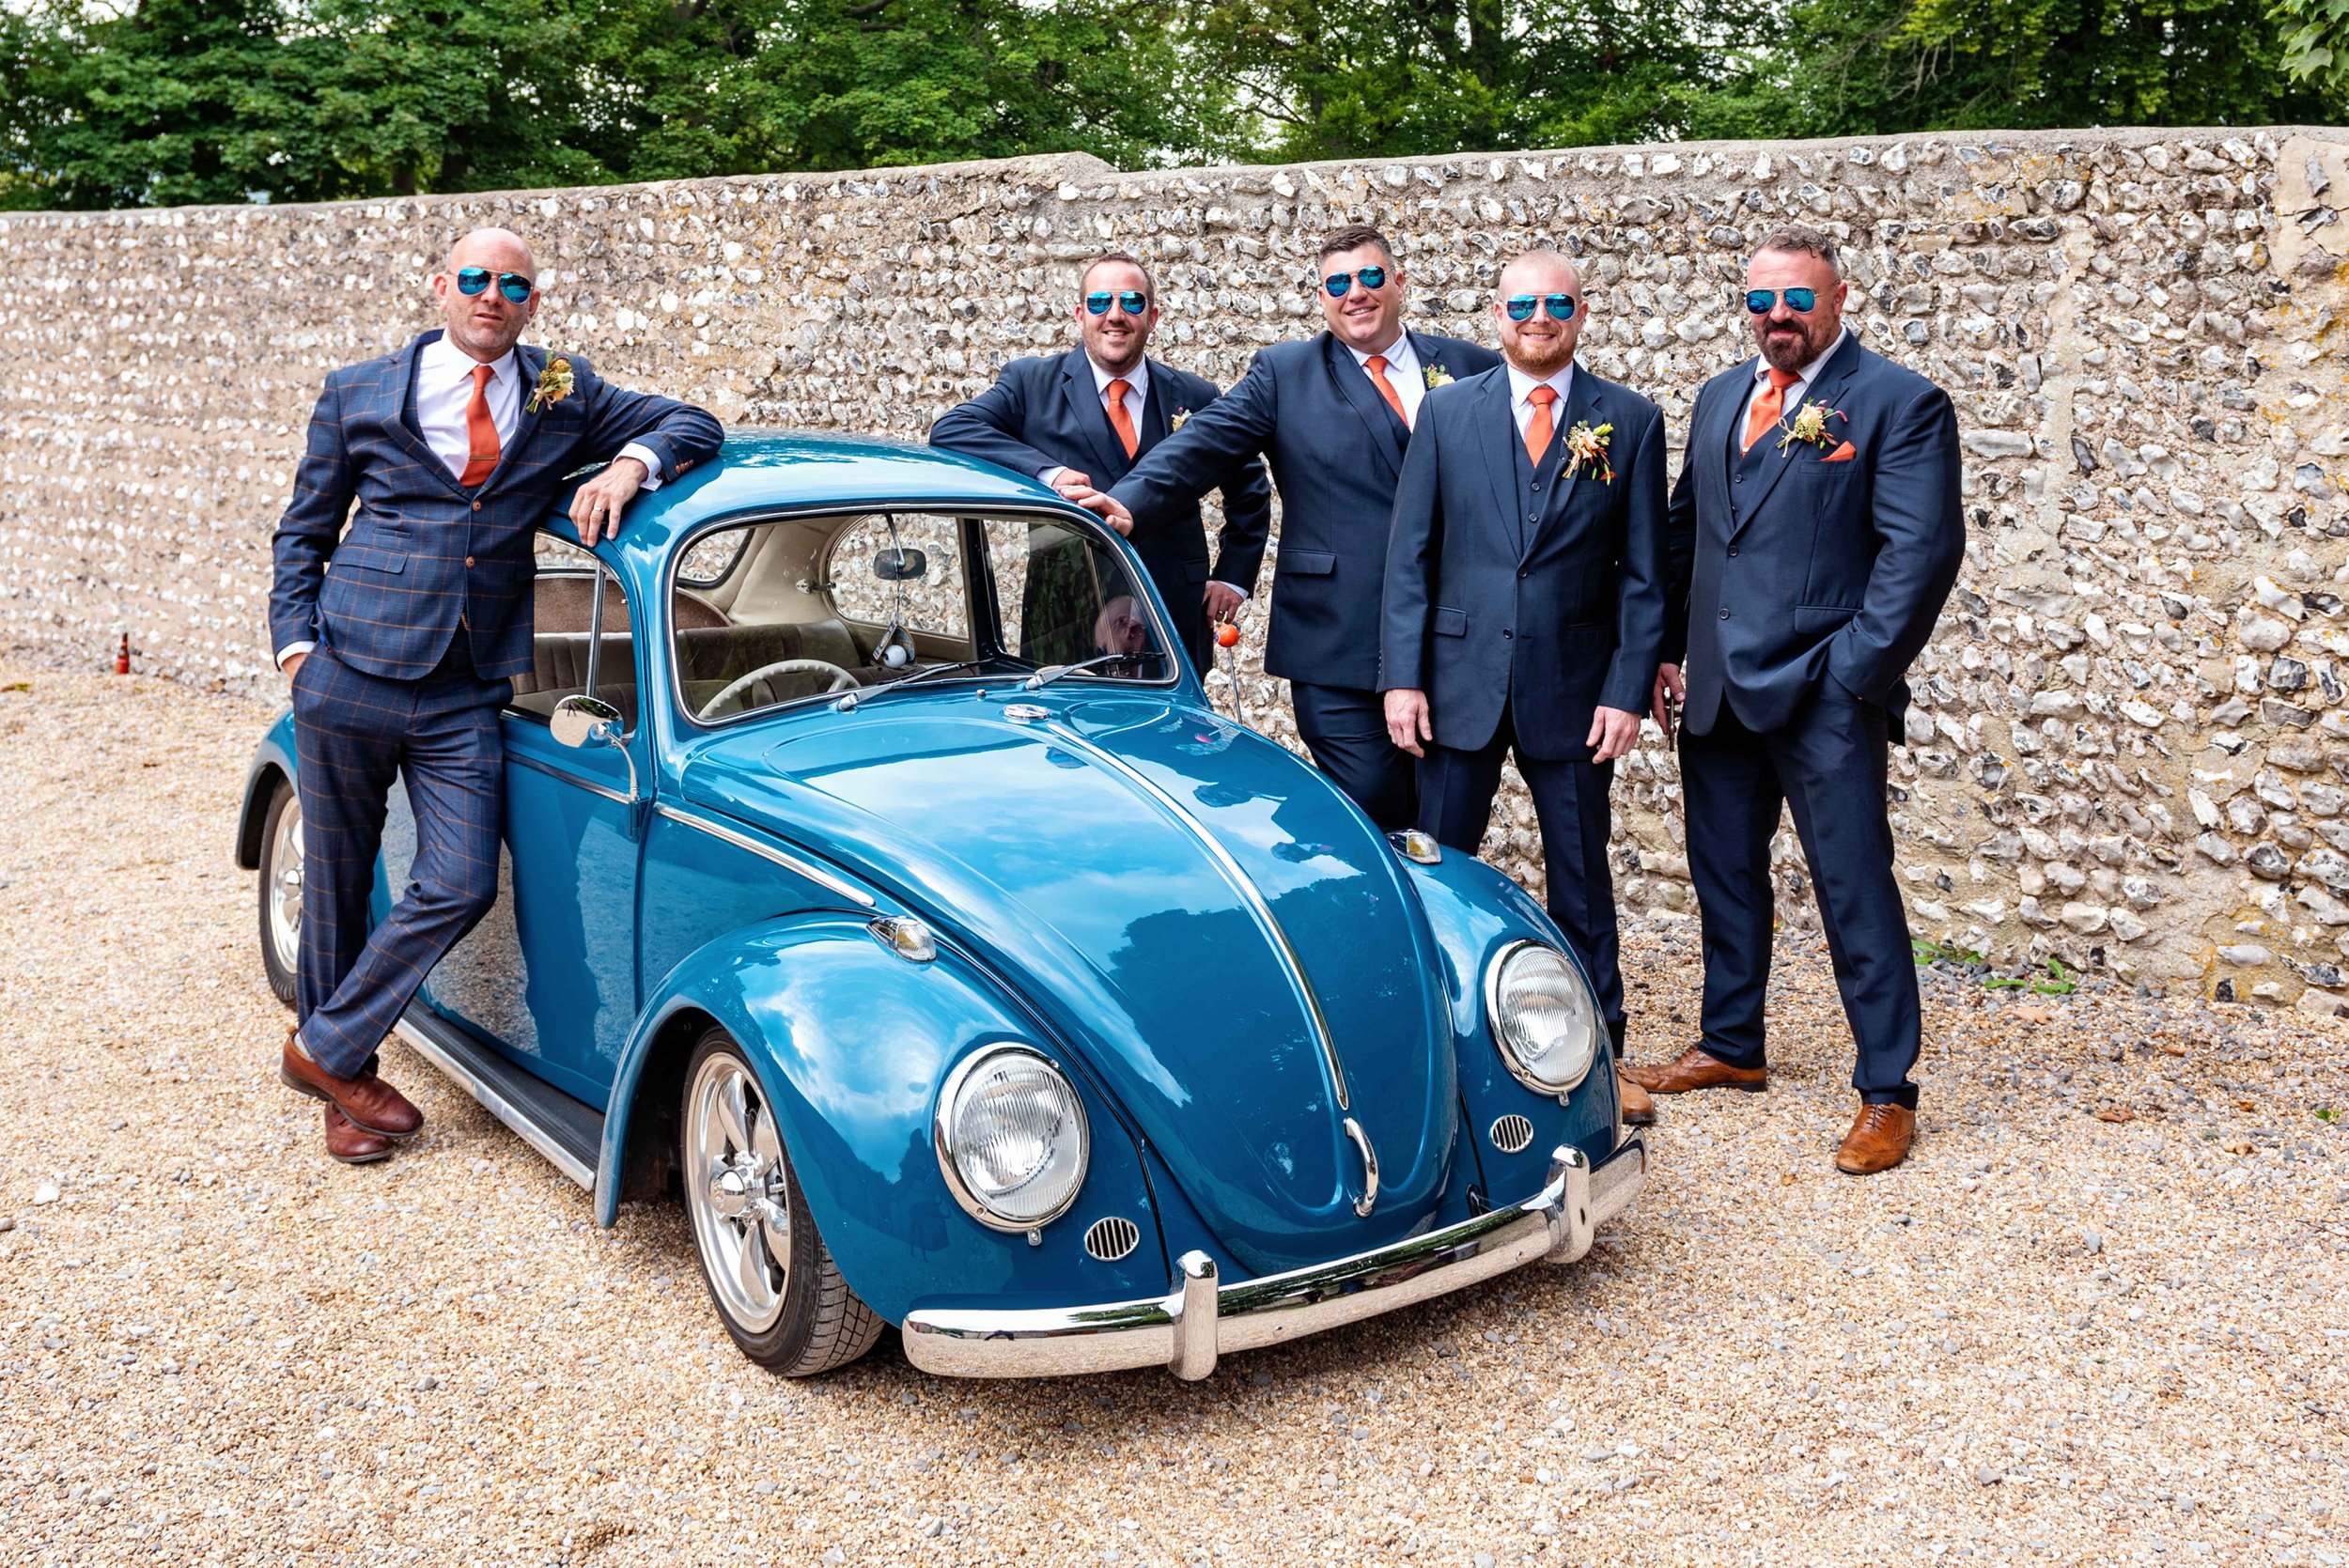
<point x="1540" y="273"/>
<point x="487" y="324"/>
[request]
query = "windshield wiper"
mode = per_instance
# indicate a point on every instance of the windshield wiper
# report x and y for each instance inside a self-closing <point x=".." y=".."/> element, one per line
<point x="847" y="703"/>
<point x="1052" y="673"/>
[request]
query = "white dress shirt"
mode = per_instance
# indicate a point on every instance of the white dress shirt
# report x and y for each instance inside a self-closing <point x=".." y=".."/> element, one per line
<point x="1792" y="398"/>
<point x="1521" y="398"/>
<point x="444" y="390"/>
<point x="1403" y="373"/>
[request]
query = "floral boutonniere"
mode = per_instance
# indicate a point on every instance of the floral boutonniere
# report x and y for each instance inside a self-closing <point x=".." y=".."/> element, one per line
<point x="1436" y="375"/>
<point x="1810" y="426"/>
<point x="1588" y="446"/>
<point x="555" y="384"/>
<point x="1176" y="423"/>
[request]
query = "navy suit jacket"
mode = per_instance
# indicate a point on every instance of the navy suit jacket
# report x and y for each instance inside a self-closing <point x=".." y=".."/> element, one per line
<point x="1808" y="570"/>
<point x="1336" y="452"/>
<point x="1547" y="604"/>
<point x="425" y="554"/>
<point x="1046" y="412"/>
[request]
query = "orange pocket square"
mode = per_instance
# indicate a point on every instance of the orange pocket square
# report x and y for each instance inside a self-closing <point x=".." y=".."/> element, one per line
<point x="1842" y="453"/>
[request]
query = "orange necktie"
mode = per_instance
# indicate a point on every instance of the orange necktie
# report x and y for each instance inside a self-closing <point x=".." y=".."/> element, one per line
<point x="1767" y="405"/>
<point x="481" y="432"/>
<point x="1377" y="366"/>
<point x="1115" y="392"/>
<point x="1538" y="430"/>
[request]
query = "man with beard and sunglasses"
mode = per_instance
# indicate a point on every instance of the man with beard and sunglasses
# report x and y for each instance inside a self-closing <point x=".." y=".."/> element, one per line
<point x="1815" y="533"/>
<point x="1333" y="417"/>
<point x="1525" y="601"/>
<point x="1079" y="421"/>
<point x="401" y="635"/>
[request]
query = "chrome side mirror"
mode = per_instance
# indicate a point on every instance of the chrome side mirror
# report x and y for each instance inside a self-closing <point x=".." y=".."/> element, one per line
<point x="577" y="720"/>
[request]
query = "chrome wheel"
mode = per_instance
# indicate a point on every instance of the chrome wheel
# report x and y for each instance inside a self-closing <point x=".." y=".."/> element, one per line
<point x="281" y="888"/>
<point x="738" y="1191"/>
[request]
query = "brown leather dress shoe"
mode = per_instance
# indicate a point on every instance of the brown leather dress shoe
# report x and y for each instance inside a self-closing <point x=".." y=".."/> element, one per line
<point x="1694" y="1069"/>
<point x="1878" y="1140"/>
<point x="371" y="1104"/>
<point x="1638" y="1110"/>
<point x="351" y="1144"/>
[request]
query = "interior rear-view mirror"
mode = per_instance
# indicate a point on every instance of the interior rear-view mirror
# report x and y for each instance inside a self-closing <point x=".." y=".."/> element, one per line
<point x="901" y="565"/>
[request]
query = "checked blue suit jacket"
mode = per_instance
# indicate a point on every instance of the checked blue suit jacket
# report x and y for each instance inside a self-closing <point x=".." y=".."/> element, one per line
<point x="426" y="556"/>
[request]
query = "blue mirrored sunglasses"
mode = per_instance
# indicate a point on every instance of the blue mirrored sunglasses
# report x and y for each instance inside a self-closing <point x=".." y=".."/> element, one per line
<point x="473" y="280"/>
<point x="1133" y="301"/>
<point x="1521" y="306"/>
<point x="1339" y="283"/>
<point x="1761" y="300"/>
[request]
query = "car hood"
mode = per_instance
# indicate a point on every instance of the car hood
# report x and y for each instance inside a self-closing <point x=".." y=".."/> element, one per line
<point x="1178" y="896"/>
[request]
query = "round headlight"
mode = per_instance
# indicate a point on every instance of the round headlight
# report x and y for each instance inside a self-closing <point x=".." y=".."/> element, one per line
<point x="1011" y="1139"/>
<point x="1544" y="1018"/>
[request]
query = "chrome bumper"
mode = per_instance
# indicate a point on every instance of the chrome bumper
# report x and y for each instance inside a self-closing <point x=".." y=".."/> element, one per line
<point x="1187" y="1329"/>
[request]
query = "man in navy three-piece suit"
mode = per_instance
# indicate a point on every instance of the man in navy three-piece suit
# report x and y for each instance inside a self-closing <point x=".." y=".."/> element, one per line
<point x="1333" y="417"/>
<point x="1525" y="601"/>
<point x="401" y="637"/>
<point x="1077" y="421"/>
<point x="1815" y="533"/>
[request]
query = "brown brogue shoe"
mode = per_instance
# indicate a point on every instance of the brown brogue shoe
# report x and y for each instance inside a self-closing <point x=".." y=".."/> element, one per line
<point x="1638" y="1110"/>
<point x="371" y="1104"/>
<point x="351" y="1144"/>
<point x="1878" y="1140"/>
<point x="1694" y="1069"/>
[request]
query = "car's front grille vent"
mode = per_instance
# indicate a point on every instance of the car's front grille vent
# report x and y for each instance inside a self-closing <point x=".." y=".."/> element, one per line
<point x="1112" y="1238"/>
<point x="1512" y="1133"/>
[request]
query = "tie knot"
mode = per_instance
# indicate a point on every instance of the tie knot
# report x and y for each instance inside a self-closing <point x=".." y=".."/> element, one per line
<point x="1542" y="395"/>
<point x="1115" y="392"/>
<point x="1376" y="365"/>
<point x="1781" y="380"/>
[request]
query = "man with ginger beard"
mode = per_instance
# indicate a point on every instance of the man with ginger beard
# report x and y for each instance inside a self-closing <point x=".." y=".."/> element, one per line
<point x="1815" y="533"/>
<point x="1525" y="601"/>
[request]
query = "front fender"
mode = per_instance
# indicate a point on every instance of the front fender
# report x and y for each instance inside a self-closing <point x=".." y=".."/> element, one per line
<point x="272" y="759"/>
<point x="852" y="1043"/>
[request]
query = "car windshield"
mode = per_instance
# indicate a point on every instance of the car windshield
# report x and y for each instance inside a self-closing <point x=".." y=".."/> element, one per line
<point x="777" y="610"/>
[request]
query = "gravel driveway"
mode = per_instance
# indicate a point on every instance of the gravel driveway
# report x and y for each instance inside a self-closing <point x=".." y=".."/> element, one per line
<point x="2050" y="1337"/>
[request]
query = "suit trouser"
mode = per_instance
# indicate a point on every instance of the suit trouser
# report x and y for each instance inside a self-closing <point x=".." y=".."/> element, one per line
<point x="1828" y="765"/>
<point x="1455" y="804"/>
<point x="1345" y="729"/>
<point x="353" y="734"/>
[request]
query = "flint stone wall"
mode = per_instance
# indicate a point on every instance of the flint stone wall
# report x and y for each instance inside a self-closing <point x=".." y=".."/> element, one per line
<point x="2128" y="749"/>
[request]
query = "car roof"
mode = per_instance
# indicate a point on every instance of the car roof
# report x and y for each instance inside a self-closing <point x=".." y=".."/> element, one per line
<point x="791" y="469"/>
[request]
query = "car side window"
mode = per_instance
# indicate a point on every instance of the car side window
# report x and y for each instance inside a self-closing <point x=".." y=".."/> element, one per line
<point x="562" y="631"/>
<point x="1063" y="598"/>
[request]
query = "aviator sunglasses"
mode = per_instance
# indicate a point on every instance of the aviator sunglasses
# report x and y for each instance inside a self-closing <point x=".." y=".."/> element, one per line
<point x="473" y="280"/>
<point x="1133" y="301"/>
<point x="1338" y="284"/>
<point x="1799" y="301"/>
<point x="1521" y="306"/>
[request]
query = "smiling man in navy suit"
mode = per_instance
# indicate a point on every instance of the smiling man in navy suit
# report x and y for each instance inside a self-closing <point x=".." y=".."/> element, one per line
<point x="1332" y="415"/>
<point x="1524" y="608"/>
<point x="401" y="635"/>
<point x="1815" y="533"/>
<point x="1077" y="421"/>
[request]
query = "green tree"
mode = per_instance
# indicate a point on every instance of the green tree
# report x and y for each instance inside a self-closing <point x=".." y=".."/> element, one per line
<point x="2316" y="42"/>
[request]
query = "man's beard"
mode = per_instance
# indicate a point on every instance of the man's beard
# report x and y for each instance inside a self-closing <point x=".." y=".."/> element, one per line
<point x="1791" y="353"/>
<point x="1542" y="356"/>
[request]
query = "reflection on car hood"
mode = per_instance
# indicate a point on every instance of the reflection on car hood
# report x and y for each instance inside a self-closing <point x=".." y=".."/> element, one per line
<point x="1133" y="866"/>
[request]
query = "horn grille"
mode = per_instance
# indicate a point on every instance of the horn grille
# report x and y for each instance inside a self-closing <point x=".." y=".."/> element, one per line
<point x="1512" y="1133"/>
<point x="1115" y="1236"/>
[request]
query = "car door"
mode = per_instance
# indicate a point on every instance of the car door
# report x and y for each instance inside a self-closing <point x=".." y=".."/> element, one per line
<point x="549" y="975"/>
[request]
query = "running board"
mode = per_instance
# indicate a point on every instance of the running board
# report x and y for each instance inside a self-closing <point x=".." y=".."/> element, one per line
<point x="568" y="1132"/>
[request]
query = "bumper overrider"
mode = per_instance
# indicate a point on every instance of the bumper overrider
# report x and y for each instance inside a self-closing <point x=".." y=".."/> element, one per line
<point x="1200" y="1320"/>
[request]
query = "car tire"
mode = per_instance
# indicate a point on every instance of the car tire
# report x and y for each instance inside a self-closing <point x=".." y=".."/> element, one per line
<point x="280" y="891"/>
<point x="774" y="1283"/>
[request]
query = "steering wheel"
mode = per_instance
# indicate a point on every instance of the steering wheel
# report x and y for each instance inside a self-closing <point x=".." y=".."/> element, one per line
<point x="841" y="680"/>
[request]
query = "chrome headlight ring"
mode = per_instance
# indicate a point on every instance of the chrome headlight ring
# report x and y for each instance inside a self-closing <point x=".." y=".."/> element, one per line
<point x="1543" y="1017"/>
<point x="1003" y="1107"/>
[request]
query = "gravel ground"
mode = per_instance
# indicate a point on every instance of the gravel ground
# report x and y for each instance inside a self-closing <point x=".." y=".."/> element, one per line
<point x="2052" y="1337"/>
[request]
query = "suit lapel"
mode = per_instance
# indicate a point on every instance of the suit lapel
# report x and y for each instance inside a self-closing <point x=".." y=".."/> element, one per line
<point x="1581" y="408"/>
<point x="1156" y="413"/>
<point x="529" y="363"/>
<point x="1500" y="443"/>
<point x="1825" y="388"/>
<point x="1386" y="433"/>
<point x="1090" y="414"/>
<point x="404" y="417"/>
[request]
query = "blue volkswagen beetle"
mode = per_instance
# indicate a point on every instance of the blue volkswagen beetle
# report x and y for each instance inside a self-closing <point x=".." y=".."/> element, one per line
<point x="876" y="876"/>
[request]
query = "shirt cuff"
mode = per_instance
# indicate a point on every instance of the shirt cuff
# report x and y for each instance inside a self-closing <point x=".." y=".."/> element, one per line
<point x="290" y="649"/>
<point x="1217" y="581"/>
<point x="652" y="464"/>
<point x="1052" y="475"/>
